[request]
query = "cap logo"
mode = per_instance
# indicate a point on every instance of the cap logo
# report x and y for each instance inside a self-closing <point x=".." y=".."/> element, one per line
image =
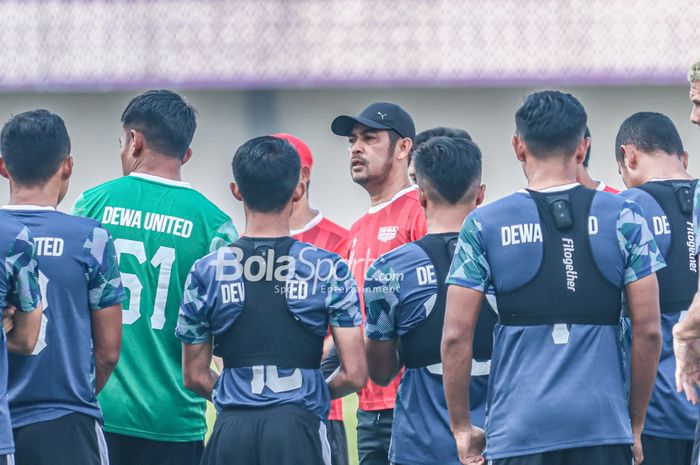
<point x="382" y="115"/>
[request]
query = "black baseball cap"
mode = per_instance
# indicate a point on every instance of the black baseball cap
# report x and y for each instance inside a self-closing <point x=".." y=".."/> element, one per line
<point x="380" y="115"/>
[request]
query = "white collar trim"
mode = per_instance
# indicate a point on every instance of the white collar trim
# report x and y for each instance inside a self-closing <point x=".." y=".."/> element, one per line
<point x="563" y="187"/>
<point x="400" y="193"/>
<point x="310" y="225"/>
<point x="170" y="182"/>
<point x="29" y="207"/>
<point x="601" y="186"/>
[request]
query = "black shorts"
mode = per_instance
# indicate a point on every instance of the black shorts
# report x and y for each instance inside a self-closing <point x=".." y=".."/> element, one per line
<point x="663" y="451"/>
<point x="130" y="450"/>
<point x="374" y="436"/>
<point x="696" y="445"/>
<point x="8" y="459"/>
<point x="75" y="439"/>
<point x="338" y="442"/>
<point x="618" y="454"/>
<point x="281" y="435"/>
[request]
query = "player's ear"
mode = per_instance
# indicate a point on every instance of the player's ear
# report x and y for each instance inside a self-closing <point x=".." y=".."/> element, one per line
<point x="684" y="159"/>
<point x="404" y="147"/>
<point x="236" y="193"/>
<point x="299" y="192"/>
<point x="582" y="149"/>
<point x="305" y="174"/>
<point x="3" y="169"/>
<point x="480" y="194"/>
<point x="519" y="147"/>
<point x="138" y="143"/>
<point x="629" y="157"/>
<point x="422" y="197"/>
<point x="187" y="156"/>
<point x="67" y="168"/>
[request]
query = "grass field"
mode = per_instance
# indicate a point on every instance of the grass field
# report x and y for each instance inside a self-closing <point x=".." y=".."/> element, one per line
<point x="349" y="409"/>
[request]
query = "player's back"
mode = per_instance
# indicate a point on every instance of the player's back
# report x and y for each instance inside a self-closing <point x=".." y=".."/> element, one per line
<point x="558" y="288"/>
<point x="669" y="214"/>
<point x="78" y="275"/>
<point x="220" y="302"/>
<point x="160" y="227"/>
<point x="405" y="299"/>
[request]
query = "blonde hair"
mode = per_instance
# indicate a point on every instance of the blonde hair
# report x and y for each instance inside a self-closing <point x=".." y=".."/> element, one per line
<point x="694" y="72"/>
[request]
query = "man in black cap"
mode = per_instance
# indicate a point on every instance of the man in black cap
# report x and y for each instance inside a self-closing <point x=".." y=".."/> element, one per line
<point x="381" y="139"/>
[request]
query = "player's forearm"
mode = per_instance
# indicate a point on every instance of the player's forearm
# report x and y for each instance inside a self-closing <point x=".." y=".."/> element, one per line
<point x="689" y="328"/>
<point x="456" y="365"/>
<point x="197" y="374"/>
<point x="646" y="349"/>
<point x="343" y="384"/>
<point x="21" y="344"/>
<point x="107" y="341"/>
<point x="201" y="382"/>
<point x="383" y="374"/>
<point x="347" y="380"/>
<point x="25" y="333"/>
<point x="351" y="375"/>
<point x="104" y="366"/>
<point x="383" y="363"/>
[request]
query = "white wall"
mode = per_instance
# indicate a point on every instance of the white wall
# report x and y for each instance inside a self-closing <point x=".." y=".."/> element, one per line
<point x="229" y="118"/>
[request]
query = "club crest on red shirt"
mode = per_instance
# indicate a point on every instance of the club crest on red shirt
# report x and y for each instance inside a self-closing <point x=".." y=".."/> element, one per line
<point x="387" y="233"/>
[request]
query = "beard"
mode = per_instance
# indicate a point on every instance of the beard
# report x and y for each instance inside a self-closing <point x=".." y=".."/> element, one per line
<point x="361" y="178"/>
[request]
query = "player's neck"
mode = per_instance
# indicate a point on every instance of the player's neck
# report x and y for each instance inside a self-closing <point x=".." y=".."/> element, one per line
<point x="161" y="166"/>
<point x="585" y="179"/>
<point x="44" y="196"/>
<point x="383" y="192"/>
<point x="302" y="213"/>
<point x="550" y="173"/>
<point x="666" y="171"/>
<point x="446" y="219"/>
<point x="259" y="224"/>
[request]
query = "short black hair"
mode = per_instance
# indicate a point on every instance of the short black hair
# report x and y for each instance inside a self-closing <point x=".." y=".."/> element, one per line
<point x="587" y="135"/>
<point x="441" y="131"/>
<point x="648" y="131"/>
<point x="551" y="122"/>
<point x="165" y="119"/>
<point x="267" y="171"/>
<point x="33" y="144"/>
<point x="451" y="166"/>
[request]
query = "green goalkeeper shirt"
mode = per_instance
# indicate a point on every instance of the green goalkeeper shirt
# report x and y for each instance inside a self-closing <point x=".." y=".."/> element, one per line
<point x="160" y="228"/>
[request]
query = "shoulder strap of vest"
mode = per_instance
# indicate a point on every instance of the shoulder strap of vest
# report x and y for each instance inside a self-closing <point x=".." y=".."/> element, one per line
<point x="439" y="249"/>
<point x="678" y="281"/>
<point x="420" y="347"/>
<point x="682" y="191"/>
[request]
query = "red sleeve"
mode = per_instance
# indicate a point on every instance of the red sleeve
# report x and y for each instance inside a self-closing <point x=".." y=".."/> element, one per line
<point x="419" y="227"/>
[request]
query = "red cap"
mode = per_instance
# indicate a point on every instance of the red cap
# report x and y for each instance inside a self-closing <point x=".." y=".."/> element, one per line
<point x="304" y="151"/>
